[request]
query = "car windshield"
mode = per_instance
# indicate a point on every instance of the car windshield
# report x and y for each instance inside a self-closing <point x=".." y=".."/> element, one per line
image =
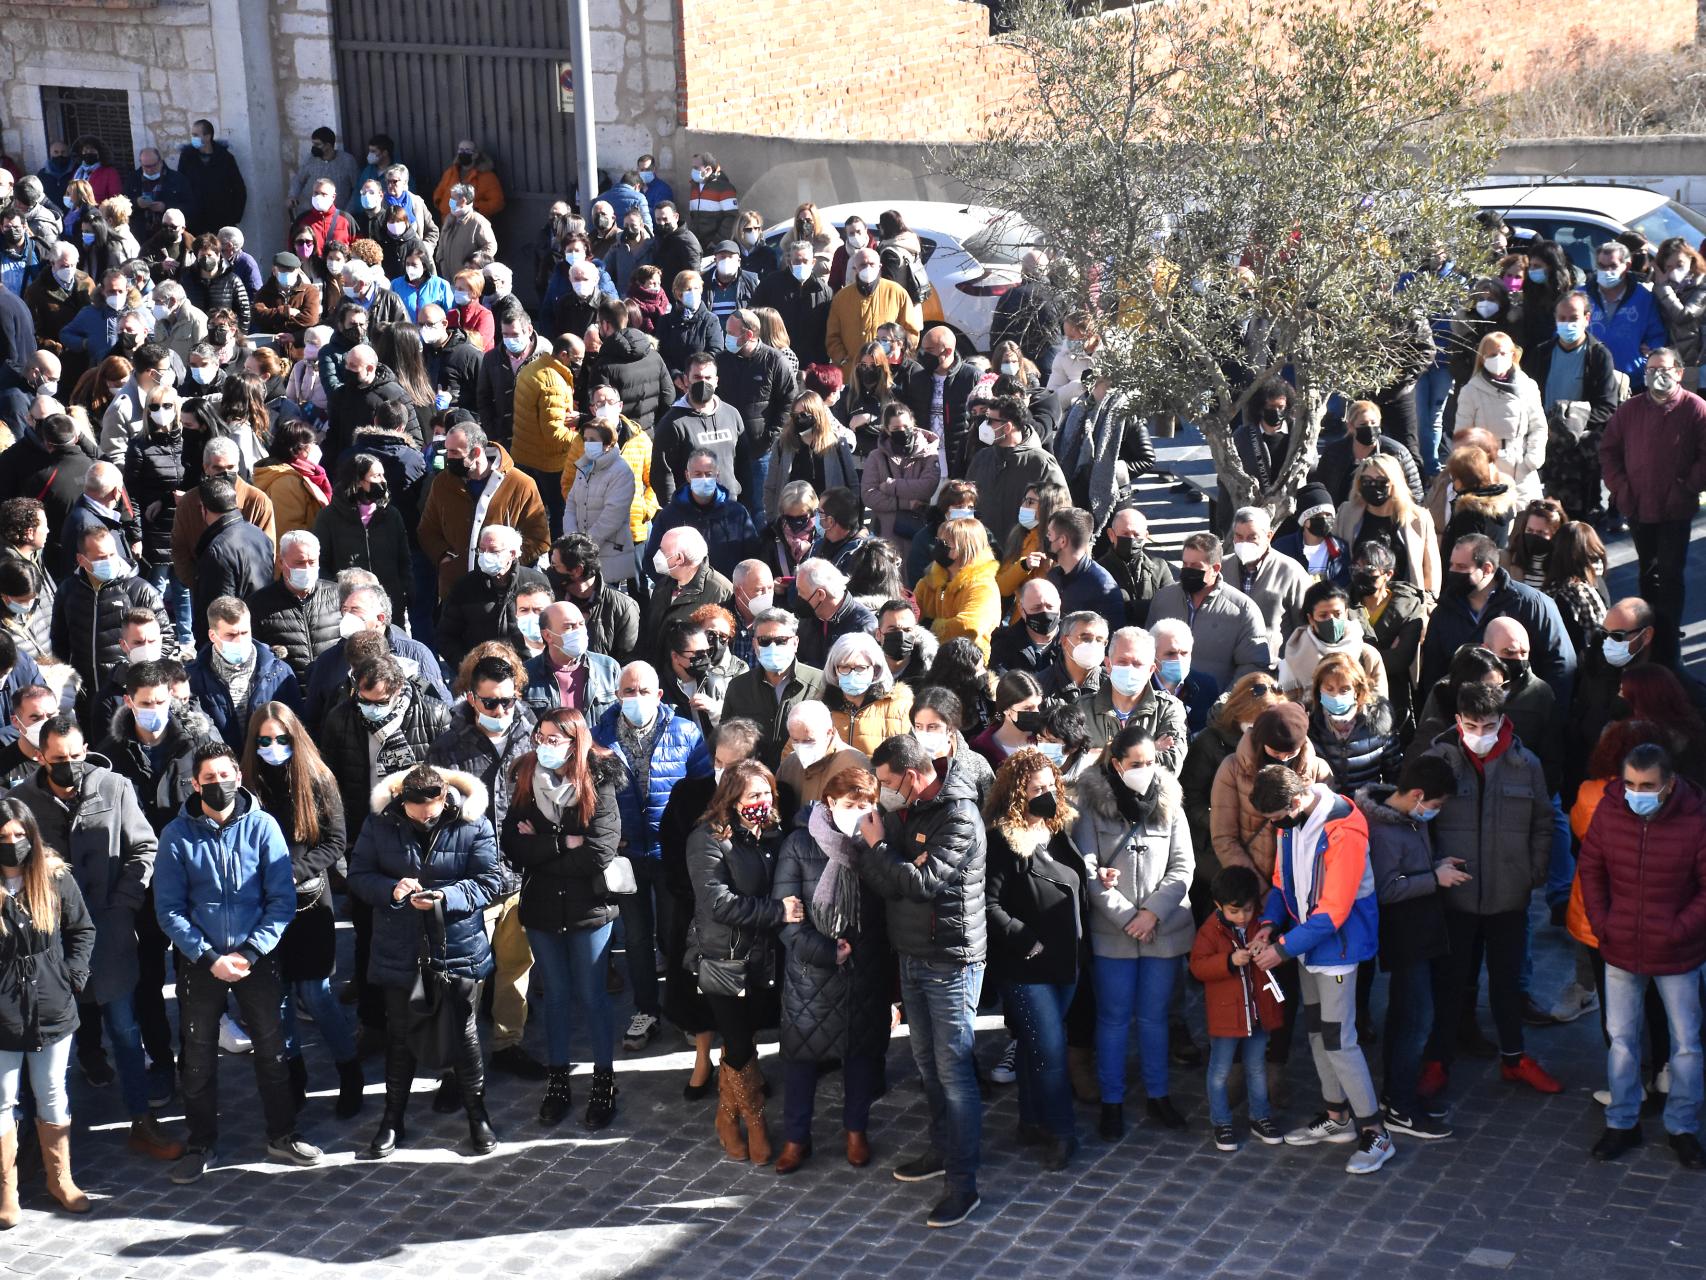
<point x="1002" y="242"/>
<point x="1671" y="219"/>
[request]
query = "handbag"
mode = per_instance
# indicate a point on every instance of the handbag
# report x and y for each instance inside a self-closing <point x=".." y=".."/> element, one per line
<point x="722" y="977"/>
<point x="618" y="878"/>
<point x="439" y="1004"/>
<point x="309" y="892"/>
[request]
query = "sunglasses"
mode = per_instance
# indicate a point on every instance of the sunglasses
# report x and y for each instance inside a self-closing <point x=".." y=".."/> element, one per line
<point x="772" y="642"/>
<point x="495" y="704"/>
<point x="262" y="740"/>
<point x="1625" y="635"/>
<point x="1262" y="689"/>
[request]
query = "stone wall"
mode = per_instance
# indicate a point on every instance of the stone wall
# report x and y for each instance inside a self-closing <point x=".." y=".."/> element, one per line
<point x="634" y="83"/>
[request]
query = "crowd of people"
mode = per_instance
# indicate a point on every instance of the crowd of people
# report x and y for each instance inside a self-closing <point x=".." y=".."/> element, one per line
<point x="718" y="608"/>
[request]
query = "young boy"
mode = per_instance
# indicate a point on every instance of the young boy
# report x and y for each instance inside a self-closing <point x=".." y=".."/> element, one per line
<point x="1242" y="1004"/>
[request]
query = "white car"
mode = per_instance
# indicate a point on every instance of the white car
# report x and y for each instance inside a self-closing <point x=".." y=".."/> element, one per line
<point x="1581" y="216"/>
<point x="971" y="253"/>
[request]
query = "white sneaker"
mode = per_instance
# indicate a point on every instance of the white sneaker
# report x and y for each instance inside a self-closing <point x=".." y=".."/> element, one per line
<point x="1603" y="1096"/>
<point x="641" y="1028"/>
<point x="1006" y="1068"/>
<point x="1661" y="1082"/>
<point x="1574" y="1001"/>
<point x="231" y="1036"/>
<point x="1323" y="1128"/>
<point x="1374" y="1149"/>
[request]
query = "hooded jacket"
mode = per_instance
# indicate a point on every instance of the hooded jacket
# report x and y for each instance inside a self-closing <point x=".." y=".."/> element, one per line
<point x="1412" y="909"/>
<point x="1241" y="836"/>
<point x="1304" y="651"/>
<point x="1328" y="893"/>
<point x="1155" y="864"/>
<point x="161" y="776"/>
<point x="1499" y="823"/>
<point x="224" y="887"/>
<point x="562" y="887"/>
<point x="1644" y="881"/>
<point x="629" y="362"/>
<point x="1237" y="999"/>
<point x="1489" y="510"/>
<point x="1512" y="411"/>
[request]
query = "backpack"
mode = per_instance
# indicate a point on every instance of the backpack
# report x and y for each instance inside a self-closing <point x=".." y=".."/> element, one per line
<point x="907" y="271"/>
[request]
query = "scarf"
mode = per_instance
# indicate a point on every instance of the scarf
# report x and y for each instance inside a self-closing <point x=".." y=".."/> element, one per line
<point x="835" y="900"/>
<point x="1134" y="808"/>
<point x="1301" y="845"/>
<point x="552" y="794"/>
<point x="237" y="680"/>
<point x="637" y="745"/>
<point x="315" y="475"/>
<point x="365" y="510"/>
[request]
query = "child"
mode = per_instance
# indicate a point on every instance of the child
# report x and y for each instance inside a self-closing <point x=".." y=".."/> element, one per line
<point x="1242" y="1007"/>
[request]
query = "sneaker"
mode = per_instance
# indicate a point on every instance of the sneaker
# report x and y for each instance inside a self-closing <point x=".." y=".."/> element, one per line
<point x="97" y="1068"/>
<point x="190" y="1167"/>
<point x="1224" y="1138"/>
<point x="1525" y="1070"/>
<point x="1661" y="1082"/>
<point x="953" y="1210"/>
<point x="641" y="1028"/>
<point x="1374" y="1148"/>
<point x="1006" y="1068"/>
<point x="1534" y="1016"/>
<point x="1323" y="1128"/>
<point x="232" y="1038"/>
<point x="519" y="1063"/>
<point x="1418" y="1125"/>
<point x="293" y="1150"/>
<point x="921" y="1169"/>
<point x="1266" y="1132"/>
<point x="1573" y="1001"/>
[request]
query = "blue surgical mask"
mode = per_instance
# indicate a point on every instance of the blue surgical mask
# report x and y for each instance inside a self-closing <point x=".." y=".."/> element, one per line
<point x="370" y="199"/>
<point x="1644" y="804"/>
<point x="574" y="643"/>
<point x="551" y="755"/>
<point x="1572" y="331"/>
<point x="1537" y="275"/>
<point x="152" y="719"/>
<point x="461" y="297"/>
<point x="801" y="271"/>
<point x="731" y="343"/>
<point x="1608" y="279"/>
<point x="1424" y="815"/>
<point x="1053" y="752"/>
<point x="235" y="652"/>
<point x="639" y="711"/>
<point x="855" y="683"/>
<point x="1127" y="681"/>
<point x="492" y="563"/>
<point x="1338" y="704"/>
<point x="690" y="300"/>
<point x="960" y="513"/>
<point x="515" y="346"/>
<point x="20" y="610"/>
<point x="528" y="625"/>
<point x="374" y="712"/>
<point x="703" y="486"/>
<point x="1173" y="670"/>
<point x="108" y="569"/>
<point x="593" y="450"/>
<point x="775" y="658"/>
<point x="276" y="752"/>
<point x="1618" y="653"/>
<point x="492" y="724"/>
<point x="1027" y="517"/>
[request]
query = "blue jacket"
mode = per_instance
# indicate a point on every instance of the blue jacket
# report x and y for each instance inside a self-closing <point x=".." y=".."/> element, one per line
<point x="1198" y="691"/>
<point x="656" y="191"/>
<point x="273" y="680"/>
<point x="1634" y="323"/>
<point x="678" y="752"/>
<point x="1089" y="587"/>
<point x="621" y="198"/>
<point x="460" y="860"/>
<point x="428" y="290"/>
<point x="1338" y="555"/>
<point x="92" y="330"/>
<point x="602" y="677"/>
<point x="224" y="888"/>
<point x="18" y="269"/>
<point x="726" y="524"/>
<point x="1451" y="625"/>
<point x="1343" y="883"/>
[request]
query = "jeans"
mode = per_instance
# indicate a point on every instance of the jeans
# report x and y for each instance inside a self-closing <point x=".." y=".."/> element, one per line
<point x="47" y="1082"/>
<point x="861" y="1077"/>
<point x="645" y="916"/>
<point x="1409" y="1017"/>
<point x="1329" y="1013"/>
<point x="1561" y="864"/>
<point x="550" y="484"/>
<point x="1143" y="986"/>
<point x="201" y="1001"/>
<point x="119" y="1018"/>
<point x="1503" y="937"/>
<point x="1223" y="1051"/>
<point x="571" y="962"/>
<point x="316" y="995"/>
<point x="1037" y="1013"/>
<point x="177" y="597"/>
<point x="1681" y="995"/>
<point x="941" y="1001"/>
<point x="757" y="471"/>
<point x="1432" y="390"/>
<point x="1662" y="550"/>
<point x="514" y="961"/>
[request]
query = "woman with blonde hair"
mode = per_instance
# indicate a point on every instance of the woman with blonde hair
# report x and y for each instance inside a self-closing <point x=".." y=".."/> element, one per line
<point x="773" y="332"/>
<point x="811" y="226"/>
<point x="1380" y="509"/>
<point x="47" y="942"/>
<point x="1351" y="725"/>
<point x="1504" y="400"/>
<point x="958" y="595"/>
<point x="122" y="245"/>
<point x="813" y="447"/>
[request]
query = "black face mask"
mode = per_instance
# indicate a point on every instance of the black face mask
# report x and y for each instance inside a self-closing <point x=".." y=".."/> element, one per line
<point x="319" y="151"/>
<point x="1374" y="492"/>
<point x="216" y="797"/>
<point x="900" y="442"/>
<point x="66" y="773"/>
<point x="899" y="645"/>
<point x="1126" y="548"/>
<point x="13" y="235"/>
<point x="1042" y="622"/>
<point x="943" y="554"/>
<point x="1316" y="525"/>
<point x="355" y="335"/>
<point x="1516" y="670"/>
<point x="797" y="525"/>
<point x="1364" y="583"/>
<point x="699" y="666"/>
<point x="1273" y="417"/>
<point x="456" y="466"/>
<point x="90" y="157"/>
<point x="1538" y="545"/>
<point x="1027" y="721"/>
<point x="701" y="390"/>
<point x="1458" y="584"/>
<point x="1043" y="806"/>
<point x="374" y="493"/>
<point x="464" y="158"/>
<point x="867" y="377"/>
<point x="1287" y="823"/>
<point x="1193" y="579"/>
<point x="803" y="422"/>
<point x="14" y="853"/>
<point x="717" y="648"/>
<point x="1366" y="436"/>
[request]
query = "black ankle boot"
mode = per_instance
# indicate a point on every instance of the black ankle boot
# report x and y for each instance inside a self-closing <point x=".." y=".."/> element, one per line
<point x="1111" y="1128"/>
<point x="480" y="1135"/>
<point x="558" y="1097"/>
<point x="351" y="1088"/>
<point x="601" y="1103"/>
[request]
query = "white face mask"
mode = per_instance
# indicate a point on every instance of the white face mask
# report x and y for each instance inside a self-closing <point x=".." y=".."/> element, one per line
<point x="414" y="271"/>
<point x="761" y="600"/>
<point x="1498" y="365"/>
<point x="351" y="624"/>
<point x="321" y="203"/>
<point x="847" y="820"/>
<point x="868" y="275"/>
<point x="1139" y="779"/>
<point x="985" y="432"/>
<point x="1248" y="552"/>
<point x="1089" y="653"/>
<point x="809" y="753"/>
<point x="934" y="741"/>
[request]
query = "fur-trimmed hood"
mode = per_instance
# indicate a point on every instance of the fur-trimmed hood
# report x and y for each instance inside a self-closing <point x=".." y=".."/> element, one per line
<point x="1494" y="501"/>
<point x="1095" y="792"/>
<point x="470" y="789"/>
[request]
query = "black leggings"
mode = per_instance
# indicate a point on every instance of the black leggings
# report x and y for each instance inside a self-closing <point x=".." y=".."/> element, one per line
<point x="737" y="1019"/>
<point x="469" y="1067"/>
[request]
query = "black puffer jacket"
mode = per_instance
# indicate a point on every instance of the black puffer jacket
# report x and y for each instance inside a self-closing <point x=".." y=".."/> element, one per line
<point x="41" y="973"/>
<point x="561" y="887"/>
<point x="87" y="623"/>
<point x="226" y="289"/>
<point x="734" y="916"/>
<point x="298" y="629"/>
<point x="1035" y="897"/>
<point x="465" y="746"/>
<point x="154" y="476"/>
<point x="381" y="546"/>
<point x="1369" y="753"/>
<point x="629" y="361"/>
<point x="233" y="558"/>
<point x="829" y="1010"/>
<point x="455" y="367"/>
<point x="352" y="406"/>
<point x="344" y="747"/>
<point x="161" y="788"/>
<point x="935" y="911"/>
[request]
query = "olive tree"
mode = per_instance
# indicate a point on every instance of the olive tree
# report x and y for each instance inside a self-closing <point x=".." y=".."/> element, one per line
<point x="1241" y="192"/>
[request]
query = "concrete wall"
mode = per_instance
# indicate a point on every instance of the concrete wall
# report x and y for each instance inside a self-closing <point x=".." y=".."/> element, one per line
<point x="1674" y="164"/>
<point x="635" y="84"/>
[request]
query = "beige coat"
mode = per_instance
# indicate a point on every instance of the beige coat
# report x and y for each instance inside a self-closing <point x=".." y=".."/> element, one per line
<point x="1421" y="542"/>
<point x="1241" y="836"/>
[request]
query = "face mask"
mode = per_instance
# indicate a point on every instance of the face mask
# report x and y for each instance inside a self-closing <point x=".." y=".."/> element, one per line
<point x="639" y="711"/>
<point x="235" y="652"/>
<point x="492" y="563"/>
<point x="660" y="563"/>
<point x="1486" y="308"/>
<point x="1028" y="517"/>
<point x="375" y="712"/>
<point x="396" y="229"/>
<point x="1374" y="492"/>
<point x="1676" y="275"/>
<point x="1174" y="670"/>
<point x="854" y="684"/>
<point x="890" y="799"/>
<point x="1273" y="417"/>
<point x="690" y="300"/>
<point x="1089" y="653"/>
<point x="321" y="203"/>
<point x="1329" y="630"/>
<point x="1511" y="283"/>
<point x="1248" y="552"/>
<point x="1044" y="806"/>
<point x="801" y="271"/>
<point x="703" y="487"/>
<point x="593" y="450"/>
<point x="1644" y="804"/>
<point x="351" y="291"/>
<point x="1193" y="579"/>
<point x="65" y="275"/>
<point x="809" y="753"/>
<point x="107" y="570"/>
<point x="1480" y="744"/>
<point x="868" y="275"/>
<point x="646" y="176"/>
<point x="32" y="734"/>
<point x="776" y="658"/>
<point x="116" y="301"/>
<point x="1516" y="670"/>
<point x="1139" y="779"/>
<point x="217" y="797"/>
<point x="151" y="652"/>
<point x="19" y="610"/>
<point x="731" y="343"/>
<point x="1053" y="752"/>
<point x="461" y="297"/>
<point x="1537" y="275"/>
<point x="847" y="820"/>
<point x="1338" y="704"/>
<point x="515" y="346"/>
<point x="698" y="175"/>
<point x="414" y="271"/>
<point x="1287" y="822"/>
<point x="761" y="600"/>
<point x="275" y="753"/>
<point x="152" y="719"/>
<point x="934" y="741"/>
<point x="985" y="432"/>
<point x="161" y="417"/>
<point x="1662" y="381"/>
<point x="582" y="288"/>
<point x="1497" y="365"/>
<point x="1608" y="279"/>
<point x="65" y="773"/>
<point x="1458" y="583"/>
<point x="1127" y="681"/>
<point x="14" y="853"/>
<point x="493" y="724"/>
<point x="1619" y="653"/>
<point x="756" y="814"/>
<point x="456" y="466"/>
<point x="898" y="645"/>
<point x="1364" y="583"/>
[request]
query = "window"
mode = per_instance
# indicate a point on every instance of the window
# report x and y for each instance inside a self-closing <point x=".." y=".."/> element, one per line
<point x="69" y="114"/>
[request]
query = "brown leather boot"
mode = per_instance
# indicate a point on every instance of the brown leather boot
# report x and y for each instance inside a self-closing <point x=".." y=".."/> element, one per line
<point x="728" y="1113"/>
<point x="56" y="1162"/>
<point x="858" y="1149"/>
<point x="1081" y="1071"/>
<point x="9" y="1211"/>
<point x="752" y="1111"/>
<point x="793" y="1156"/>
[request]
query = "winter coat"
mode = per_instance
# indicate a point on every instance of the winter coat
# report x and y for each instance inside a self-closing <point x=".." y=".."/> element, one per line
<point x="351" y="406"/>
<point x="219" y="194"/>
<point x="42" y="973"/>
<point x="270" y="681"/>
<point x="678" y="751"/>
<point x="1370" y="752"/>
<point x="161" y="776"/>
<point x="458" y="857"/>
<point x="1003" y="475"/>
<point x="830" y="1010"/>
<point x="1490" y="510"/>
<point x="1653" y="457"/>
<point x="877" y="718"/>
<point x="760" y="386"/>
<point x="297" y="628"/>
<point x="1241" y="836"/>
<point x="545" y="418"/>
<point x="488" y="190"/>
<point x="154" y="476"/>
<point x="481" y="608"/>
<point x="110" y="848"/>
<point x="222" y="290"/>
<point x="464" y="747"/>
<point x="1155" y="862"/>
<point x="381" y="546"/>
<point x="1304" y="651"/>
<point x="233" y="558"/>
<point x="636" y="450"/>
<point x="1412" y="909"/>
<point x="496" y="389"/>
<point x="309" y="948"/>
<point x="1035" y="893"/>
<point x="1682" y="306"/>
<point x="682" y="334"/>
<point x="1397" y="638"/>
<point x="345" y="739"/>
<point x="1512" y="411"/>
<point x="1336" y="470"/>
<point x="1451" y="624"/>
<point x="275" y="305"/>
<point x="53" y="306"/>
<point x="855" y="317"/>
<point x="189" y="522"/>
<point x="804" y="309"/>
<point x="447" y="519"/>
<point x="629" y="362"/>
<point x="563" y="887"/>
<point x="1237" y="1000"/>
<point x="1334" y="921"/>
<point x="1499" y="822"/>
<point x="734" y="915"/>
<point x="1531" y="708"/>
<point x="936" y="910"/>
<point x="296" y="501"/>
<point x="88" y="620"/>
<point x="726" y="524"/>
<point x="454" y="367"/>
<point x="461" y="240"/>
<point x="1230" y="634"/>
<point x="601" y="505"/>
<point x="224" y="887"/>
<point x="918" y="393"/>
<point x="1631" y="329"/>
<point x="964" y="602"/>
<point x="1644" y="882"/>
<point x="1139" y="579"/>
<point x="751" y="696"/>
<point x="897" y="490"/>
<point x="1421" y="544"/>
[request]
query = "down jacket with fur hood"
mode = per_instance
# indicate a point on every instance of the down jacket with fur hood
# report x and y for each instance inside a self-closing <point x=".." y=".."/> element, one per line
<point x="1155" y="863"/>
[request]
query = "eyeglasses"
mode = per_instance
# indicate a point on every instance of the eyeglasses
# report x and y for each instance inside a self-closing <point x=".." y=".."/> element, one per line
<point x="262" y="740"/>
<point x="495" y="704"/>
<point x="553" y="742"/>
<point x="1262" y="689"/>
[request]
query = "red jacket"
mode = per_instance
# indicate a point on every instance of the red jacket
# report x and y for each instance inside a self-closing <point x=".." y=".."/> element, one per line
<point x="1644" y="882"/>
<point x="1228" y="992"/>
<point x="332" y="226"/>
<point x="1653" y="457"/>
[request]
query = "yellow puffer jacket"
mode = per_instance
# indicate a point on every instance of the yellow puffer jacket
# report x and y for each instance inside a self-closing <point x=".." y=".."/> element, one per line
<point x="1013" y="574"/>
<point x="544" y="415"/>
<point x="296" y="503"/>
<point x="871" y="725"/>
<point x="637" y="453"/>
<point x="966" y="604"/>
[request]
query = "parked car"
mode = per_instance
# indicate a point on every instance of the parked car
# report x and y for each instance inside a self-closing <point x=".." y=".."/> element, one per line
<point x="971" y="252"/>
<point x="1581" y="216"/>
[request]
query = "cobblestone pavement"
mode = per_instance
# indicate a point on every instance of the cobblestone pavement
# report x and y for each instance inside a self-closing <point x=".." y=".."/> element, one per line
<point x="1513" y="1194"/>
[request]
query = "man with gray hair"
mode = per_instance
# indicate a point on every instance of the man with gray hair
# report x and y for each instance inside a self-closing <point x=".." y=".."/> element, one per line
<point x="297" y="615"/>
<point x="103" y="506"/>
<point x="705" y="505"/>
<point x="394" y="181"/>
<point x="219" y="457"/>
<point x="1128" y="695"/>
<point x="754" y="592"/>
<point x="801" y="297"/>
<point x="365" y="609"/>
<point x="179" y="325"/>
<point x="816" y="753"/>
<point x="479" y="486"/>
<point x="467" y="239"/>
<point x="822" y="589"/>
<point x="776" y="684"/>
<point x="685" y="580"/>
<point x="481" y="605"/>
<point x="864" y="303"/>
<point x="1273" y="580"/>
<point x="244" y="264"/>
<point x="1625" y="317"/>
